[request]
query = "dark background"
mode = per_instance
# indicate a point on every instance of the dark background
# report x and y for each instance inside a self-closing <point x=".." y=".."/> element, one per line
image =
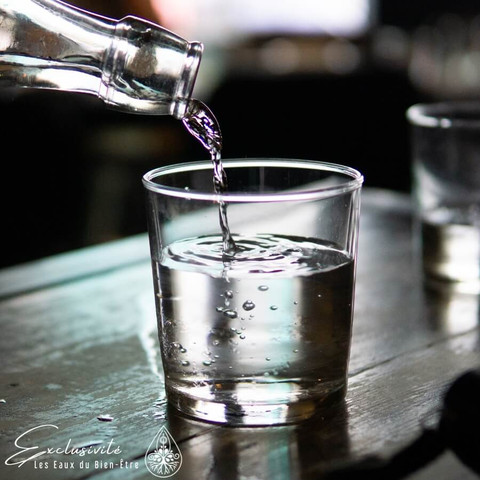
<point x="72" y="168"/>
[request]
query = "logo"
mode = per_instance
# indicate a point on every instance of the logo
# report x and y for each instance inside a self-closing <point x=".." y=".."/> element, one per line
<point x="166" y="459"/>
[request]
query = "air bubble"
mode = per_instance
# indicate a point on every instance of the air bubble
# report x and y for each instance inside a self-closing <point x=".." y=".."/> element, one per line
<point x="248" y="305"/>
<point x="230" y="313"/>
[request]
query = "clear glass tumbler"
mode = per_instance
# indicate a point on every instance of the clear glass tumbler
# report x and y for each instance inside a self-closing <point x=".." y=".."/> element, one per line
<point x="260" y="336"/>
<point x="446" y="172"/>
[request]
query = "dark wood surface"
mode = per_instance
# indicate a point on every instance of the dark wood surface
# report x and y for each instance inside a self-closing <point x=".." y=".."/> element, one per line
<point x="78" y="342"/>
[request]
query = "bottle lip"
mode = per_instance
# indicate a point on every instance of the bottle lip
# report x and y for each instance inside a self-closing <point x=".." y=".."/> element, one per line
<point x="187" y="80"/>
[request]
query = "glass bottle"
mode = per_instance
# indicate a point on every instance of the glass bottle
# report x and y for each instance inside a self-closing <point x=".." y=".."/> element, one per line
<point x="131" y="64"/>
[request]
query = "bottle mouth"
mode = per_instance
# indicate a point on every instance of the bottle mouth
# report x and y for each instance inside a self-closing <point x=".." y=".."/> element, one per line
<point x="187" y="80"/>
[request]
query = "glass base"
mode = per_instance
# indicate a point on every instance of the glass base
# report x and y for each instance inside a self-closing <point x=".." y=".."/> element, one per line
<point x="234" y="413"/>
<point x="451" y="256"/>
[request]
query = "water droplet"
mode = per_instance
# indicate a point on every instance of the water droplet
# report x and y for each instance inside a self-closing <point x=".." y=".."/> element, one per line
<point x="248" y="305"/>
<point x="215" y="342"/>
<point x="266" y="374"/>
<point x="185" y="363"/>
<point x="219" y="309"/>
<point x="295" y="302"/>
<point x="2" y="400"/>
<point x="160" y="402"/>
<point x="263" y="288"/>
<point x="183" y="350"/>
<point x="267" y="359"/>
<point x="273" y="307"/>
<point x="242" y="337"/>
<point x="161" y="415"/>
<point x="207" y="363"/>
<point x="53" y="386"/>
<point x="230" y="313"/>
<point x="228" y="294"/>
<point x="105" y="418"/>
<point x="295" y="350"/>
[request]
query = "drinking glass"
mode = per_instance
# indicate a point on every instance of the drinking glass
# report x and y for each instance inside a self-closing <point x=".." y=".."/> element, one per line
<point x="259" y="335"/>
<point x="446" y="173"/>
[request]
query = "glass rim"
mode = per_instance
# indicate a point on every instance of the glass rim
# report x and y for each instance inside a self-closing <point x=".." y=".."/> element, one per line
<point x="445" y="114"/>
<point x="353" y="182"/>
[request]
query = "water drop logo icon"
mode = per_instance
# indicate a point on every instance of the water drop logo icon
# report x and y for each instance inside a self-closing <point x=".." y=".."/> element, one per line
<point x="165" y="458"/>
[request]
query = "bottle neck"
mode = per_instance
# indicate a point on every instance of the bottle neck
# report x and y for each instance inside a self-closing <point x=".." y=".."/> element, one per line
<point x="148" y="69"/>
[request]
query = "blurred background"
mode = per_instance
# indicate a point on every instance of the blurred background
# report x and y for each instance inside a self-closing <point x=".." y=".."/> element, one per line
<point x="326" y="80"/>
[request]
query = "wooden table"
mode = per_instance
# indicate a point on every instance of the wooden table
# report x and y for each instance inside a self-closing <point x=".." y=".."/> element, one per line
<point x="80" y="367"/>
